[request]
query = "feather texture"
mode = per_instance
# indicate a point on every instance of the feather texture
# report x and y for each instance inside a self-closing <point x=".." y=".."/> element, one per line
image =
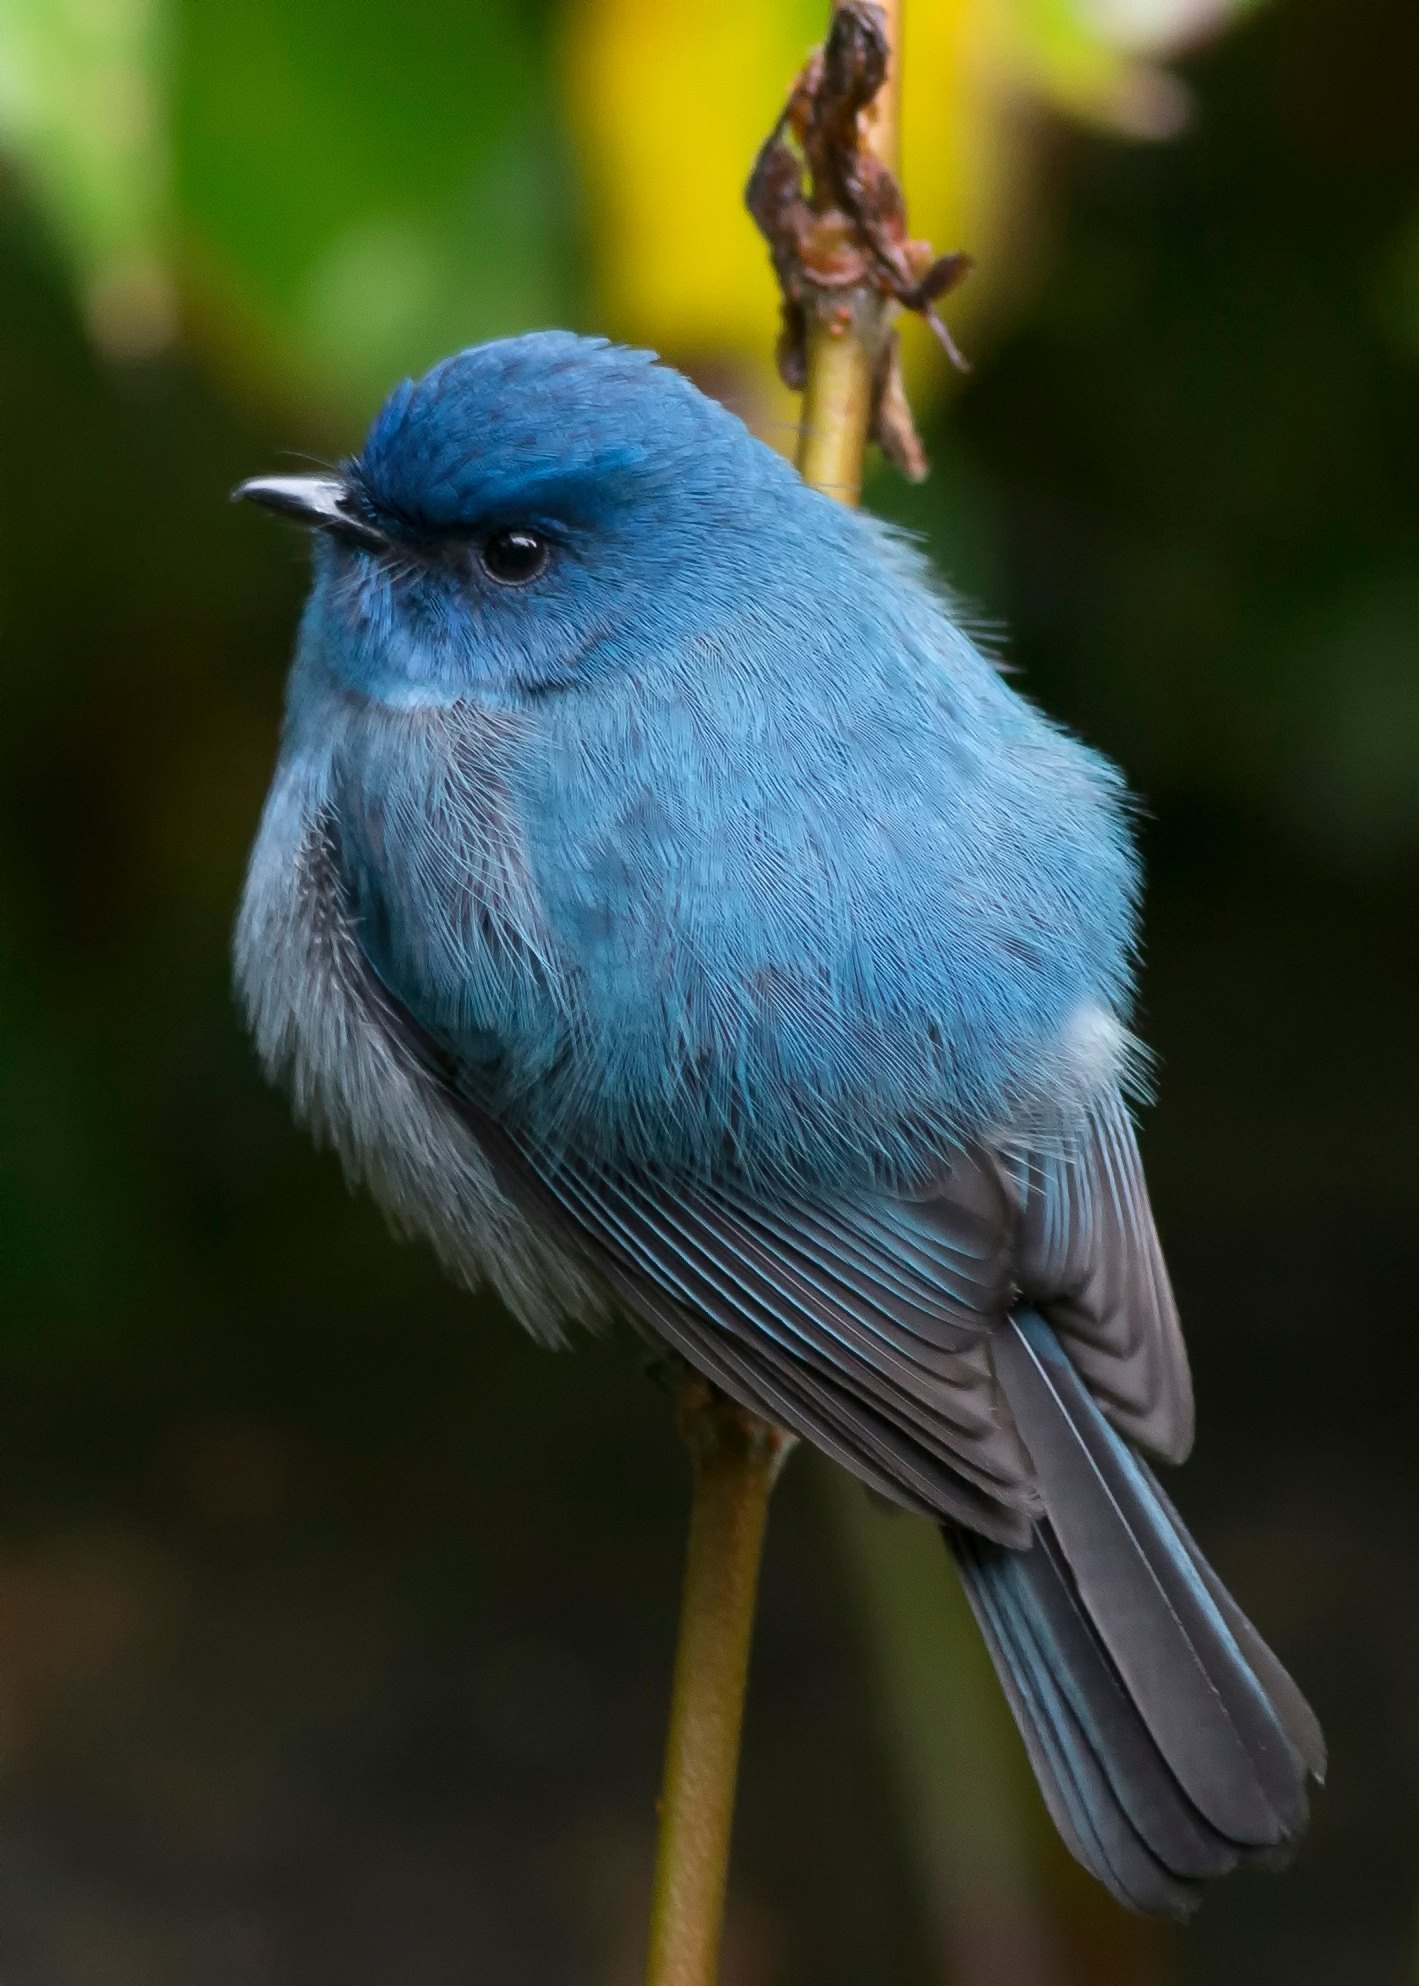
<point x="1089" y="1256"/>
<point x="1169" y="1742"/>
<point x="707" y="927"/>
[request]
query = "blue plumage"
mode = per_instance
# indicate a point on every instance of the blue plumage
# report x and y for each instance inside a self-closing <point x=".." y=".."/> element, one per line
<point x="661" y="900"/>
<point x="754" y="793"/>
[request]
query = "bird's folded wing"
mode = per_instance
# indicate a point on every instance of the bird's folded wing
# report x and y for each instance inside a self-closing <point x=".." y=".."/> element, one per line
<point x="862" y="1323"/>
<point x="1089" y="1258"/>
<point x="865" y="1322"/>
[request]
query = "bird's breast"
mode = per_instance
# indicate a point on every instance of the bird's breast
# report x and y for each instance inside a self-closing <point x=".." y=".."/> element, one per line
<point x="326" y="1031"/>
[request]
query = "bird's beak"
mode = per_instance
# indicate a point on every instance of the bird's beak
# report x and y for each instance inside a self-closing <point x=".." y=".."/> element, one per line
<point x="321" y="503"/>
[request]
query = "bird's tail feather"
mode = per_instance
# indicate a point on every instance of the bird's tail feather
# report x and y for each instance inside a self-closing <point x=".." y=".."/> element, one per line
<point x="1168" y="1741"/>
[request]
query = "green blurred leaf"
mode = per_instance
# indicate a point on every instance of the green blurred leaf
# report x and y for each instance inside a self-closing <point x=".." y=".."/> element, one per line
<point x="81" y="108"/>
<point x="360" y="193"/>
<point x="1353" y="767"/>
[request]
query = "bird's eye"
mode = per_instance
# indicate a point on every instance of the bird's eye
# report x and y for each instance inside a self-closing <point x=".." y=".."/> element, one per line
<point x="514" y="555"/>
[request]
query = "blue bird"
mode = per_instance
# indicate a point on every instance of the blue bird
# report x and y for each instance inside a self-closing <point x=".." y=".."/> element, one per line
<point x="663" y="905"/>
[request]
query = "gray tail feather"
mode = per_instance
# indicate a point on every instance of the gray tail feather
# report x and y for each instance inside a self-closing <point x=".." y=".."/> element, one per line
<point x="1169" y="1743"/>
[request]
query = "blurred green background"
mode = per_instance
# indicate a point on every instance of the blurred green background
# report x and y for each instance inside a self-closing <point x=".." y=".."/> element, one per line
<point x="335" y="1619"/>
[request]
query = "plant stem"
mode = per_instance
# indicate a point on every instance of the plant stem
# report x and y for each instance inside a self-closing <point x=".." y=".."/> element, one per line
<point x="844" y="346"/>
<point x="736" y="1458"/>
<point x="837" y="395"/>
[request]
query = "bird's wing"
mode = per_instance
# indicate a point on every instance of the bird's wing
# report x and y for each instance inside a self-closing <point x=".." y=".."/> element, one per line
<point x="1089" y="1259"/>
<point x="863" y="1321"/>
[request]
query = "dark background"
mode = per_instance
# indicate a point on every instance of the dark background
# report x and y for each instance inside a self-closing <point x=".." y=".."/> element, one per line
<point x="335" y="1618"/>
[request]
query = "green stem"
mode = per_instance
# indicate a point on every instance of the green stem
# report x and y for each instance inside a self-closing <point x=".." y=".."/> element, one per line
<point x="844" y="342"/>
<point x="845" y="337"/>
<point x="736" y="1458"/>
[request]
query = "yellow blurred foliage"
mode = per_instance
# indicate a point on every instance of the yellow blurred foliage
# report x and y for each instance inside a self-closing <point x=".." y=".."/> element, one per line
<point x="669" y="101"/>
<point x="79" y="105"/>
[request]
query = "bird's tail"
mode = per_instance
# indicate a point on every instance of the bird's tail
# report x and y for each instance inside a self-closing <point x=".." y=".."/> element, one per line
<point x="1168" y="1741"/>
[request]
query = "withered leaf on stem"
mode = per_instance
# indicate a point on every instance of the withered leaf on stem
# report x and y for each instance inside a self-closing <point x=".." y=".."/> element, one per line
<point x="835" y="220"/>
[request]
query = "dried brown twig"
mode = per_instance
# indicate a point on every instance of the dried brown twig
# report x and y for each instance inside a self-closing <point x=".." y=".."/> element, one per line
<point x="834" y="218"/>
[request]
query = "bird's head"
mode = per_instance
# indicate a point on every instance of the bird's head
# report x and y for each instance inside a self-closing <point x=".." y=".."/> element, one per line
<point x="530" y="513"/>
